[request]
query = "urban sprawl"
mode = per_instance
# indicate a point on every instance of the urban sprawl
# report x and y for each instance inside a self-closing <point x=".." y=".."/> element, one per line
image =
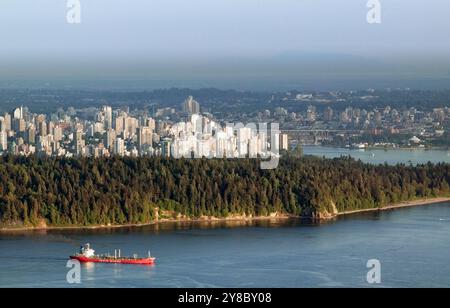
<point x="124" y="133"/>
<point x="190" y="131"/>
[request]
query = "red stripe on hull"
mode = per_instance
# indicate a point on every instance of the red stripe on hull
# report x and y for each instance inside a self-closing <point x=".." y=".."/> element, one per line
<point x="83" y="259"/>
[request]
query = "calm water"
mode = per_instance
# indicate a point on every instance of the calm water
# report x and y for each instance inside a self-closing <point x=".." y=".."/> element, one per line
<point x="380" y="156"/>
<point x="413" y="245"/>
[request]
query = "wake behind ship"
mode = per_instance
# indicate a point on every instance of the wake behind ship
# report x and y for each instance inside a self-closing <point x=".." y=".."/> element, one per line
<point x="87" y="254"/>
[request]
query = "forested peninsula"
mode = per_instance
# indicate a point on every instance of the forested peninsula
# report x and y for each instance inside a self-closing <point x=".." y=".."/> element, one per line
<point x="77" y="192"/>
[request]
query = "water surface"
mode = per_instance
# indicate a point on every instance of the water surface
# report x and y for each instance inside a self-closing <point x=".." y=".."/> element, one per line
<point x="413" y="245"/>
<point x="381" y="156"/>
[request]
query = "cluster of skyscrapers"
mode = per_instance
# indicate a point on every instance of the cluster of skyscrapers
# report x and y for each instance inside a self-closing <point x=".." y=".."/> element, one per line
<point x="107" y="131"/>
<point x="203" y="137"/>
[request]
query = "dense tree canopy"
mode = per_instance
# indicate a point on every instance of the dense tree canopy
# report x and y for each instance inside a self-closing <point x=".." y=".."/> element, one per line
<point x="86" y="191"/>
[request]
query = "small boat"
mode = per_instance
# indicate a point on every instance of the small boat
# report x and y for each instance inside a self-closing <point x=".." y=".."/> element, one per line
<point x="87" y="255"/>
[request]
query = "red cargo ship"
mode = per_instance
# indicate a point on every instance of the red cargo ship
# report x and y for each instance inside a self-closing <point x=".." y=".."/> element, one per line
<point x="87" y="254"/>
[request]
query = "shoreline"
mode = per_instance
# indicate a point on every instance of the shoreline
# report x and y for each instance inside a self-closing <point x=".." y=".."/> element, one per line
<point x="405" y="204"/>
<point x="156" y="222"/>
<point x="369" y="148"/>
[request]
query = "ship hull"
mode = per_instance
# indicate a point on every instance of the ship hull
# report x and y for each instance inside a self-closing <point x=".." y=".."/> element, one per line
<point x="83" y="259"/>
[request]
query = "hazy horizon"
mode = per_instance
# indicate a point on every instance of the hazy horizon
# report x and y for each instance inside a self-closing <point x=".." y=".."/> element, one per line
<point x="225" y="43"/>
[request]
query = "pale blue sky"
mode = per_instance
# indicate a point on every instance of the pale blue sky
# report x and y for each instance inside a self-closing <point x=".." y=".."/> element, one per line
<point x="34" y="35"/>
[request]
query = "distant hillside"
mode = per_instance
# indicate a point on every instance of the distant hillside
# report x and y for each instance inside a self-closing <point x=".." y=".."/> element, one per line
<point x="217" y="100"/>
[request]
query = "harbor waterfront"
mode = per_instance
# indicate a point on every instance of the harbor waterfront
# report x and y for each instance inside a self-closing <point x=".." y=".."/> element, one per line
<point x="380" y="156"/>
<point x="293" y="253"/>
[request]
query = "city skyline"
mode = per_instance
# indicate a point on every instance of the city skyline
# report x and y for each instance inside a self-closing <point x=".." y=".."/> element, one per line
<point x="188" y="131"/>
<point x="119" y="132"/>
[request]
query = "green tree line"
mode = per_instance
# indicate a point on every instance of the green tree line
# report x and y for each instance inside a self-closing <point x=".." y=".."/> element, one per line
<point x="86" y="191"/>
